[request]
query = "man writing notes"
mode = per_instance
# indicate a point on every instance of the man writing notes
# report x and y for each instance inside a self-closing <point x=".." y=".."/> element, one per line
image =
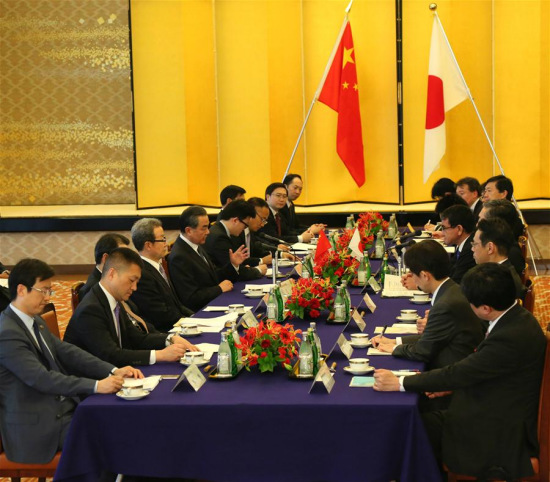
<point x="490" y="428"/>
<point x="155" y="297"/>
<point x="40" y="375"/>
<point x="101" y="326"/>
<point x="236" y="216"/>
<point x="196" y="280"/>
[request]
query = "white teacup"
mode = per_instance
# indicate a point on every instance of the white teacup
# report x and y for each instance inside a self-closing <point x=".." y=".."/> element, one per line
<point x="409" y="314"/>
<point x="360" y="338"/>
<point x="236" y="308"/>
<point x="255" y="290"/>
<point x="421" y="297"/>
<point x="193" y="357"/>
<point x="359" y="363"/>
<point x="132" y="391"/>
<point x="189" y="328"/>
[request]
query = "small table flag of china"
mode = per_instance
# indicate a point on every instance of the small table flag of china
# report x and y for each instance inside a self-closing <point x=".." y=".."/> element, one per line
<point x="341" y="93"/>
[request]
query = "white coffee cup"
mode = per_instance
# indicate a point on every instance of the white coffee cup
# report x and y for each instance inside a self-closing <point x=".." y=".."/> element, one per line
<point x="421" y="297"/>
<point x="255" y="289"/>
<point x="193" y="357"/>
<point x="409" y="314"/>
<point x="189" y="328"/>
<point x="236" y="308"/>
<point x="132" y="391"/>
<point x="360" y="338"/>
<point x="359" y="363"/>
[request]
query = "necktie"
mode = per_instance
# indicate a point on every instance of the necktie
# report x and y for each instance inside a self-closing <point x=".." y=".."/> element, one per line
<point x="136" y="320"/>
<point x="203" y="257"/>
<point x="457" y="253"/>
<point x="44" y="349"/>
<point x="278" y="223"/>
<point x="247" y="241"/>
<point x="117" y="323"/>
<point x="163" y="273"/>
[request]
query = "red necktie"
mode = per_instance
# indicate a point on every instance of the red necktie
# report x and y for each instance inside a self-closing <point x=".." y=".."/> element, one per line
<point x="278" y="222"/>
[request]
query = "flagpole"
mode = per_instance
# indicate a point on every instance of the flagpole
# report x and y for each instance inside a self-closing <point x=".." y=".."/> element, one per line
<point x="433" y="7"/>
<point x="321" y="84"/>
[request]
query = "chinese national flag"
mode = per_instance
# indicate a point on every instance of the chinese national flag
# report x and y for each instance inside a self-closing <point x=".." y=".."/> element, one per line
<point x="341" y="93"/>
<point x="323" y="246"/>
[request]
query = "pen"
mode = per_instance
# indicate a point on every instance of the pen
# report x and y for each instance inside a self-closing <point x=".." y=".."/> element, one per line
<point x="383" y="331"/>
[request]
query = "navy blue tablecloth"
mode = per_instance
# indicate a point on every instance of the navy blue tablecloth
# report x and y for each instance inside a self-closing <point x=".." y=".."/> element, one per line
<point x="258" y="427"/>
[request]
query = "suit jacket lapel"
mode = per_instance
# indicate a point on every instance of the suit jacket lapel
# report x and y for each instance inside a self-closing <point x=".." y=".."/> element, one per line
<point x="108" y="313"/>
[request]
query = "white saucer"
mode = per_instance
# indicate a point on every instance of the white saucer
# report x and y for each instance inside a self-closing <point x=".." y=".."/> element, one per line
<point x="361" y="371"/>
<point x="254" y="295"/>
<point x="143" y="394"/>
<point x="412" y="320"/>
<point x="285" y="262"/>
<point x="190" y="335"/>
<point x="423" y="302"/>
<point x="200" y="364"/>
<point x="360" y="345"/>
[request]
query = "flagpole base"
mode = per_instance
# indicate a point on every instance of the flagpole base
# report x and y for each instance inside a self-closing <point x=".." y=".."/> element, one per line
<point x="433" y="7"/>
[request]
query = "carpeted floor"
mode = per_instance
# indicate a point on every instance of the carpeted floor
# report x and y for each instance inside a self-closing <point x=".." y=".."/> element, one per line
<point x="62" y="301"/>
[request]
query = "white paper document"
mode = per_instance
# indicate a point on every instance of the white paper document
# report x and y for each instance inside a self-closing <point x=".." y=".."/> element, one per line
<point x="397" y="328"/>
<point x="265" y="288"/>
<point x="149" y="383"/>
<point x="208" y="349"/>
<point x="304" y="247"/>
<point x="376" y="351"/>
<point x="224" y="308"/>
<point x="394" y="289"/>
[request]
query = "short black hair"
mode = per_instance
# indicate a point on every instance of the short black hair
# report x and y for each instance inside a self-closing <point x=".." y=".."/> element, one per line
<point x="189" y="218"/>
<point x="120" y="259"/>
<point x="143" y="230"/>
<point x="443" y="186"/>
<point x="503" y="183"/>
<point x="231" y="192"/>
<point x="238" y="209"/>
<point x="449" y="200"/>
<point x="428" y="256"/>
<point x="498" y="232"/>
<point x="106" y="243"/>
<point x="274" y="185"/>
<point x="504" y="209"/>
<point x="460" y="215"/>
<point x="471" y="182"/>
<point x="489" y="284"/>
<point x="290" y="177"/>
<point x="26" y="272"/>
<point x="258" y="202"/>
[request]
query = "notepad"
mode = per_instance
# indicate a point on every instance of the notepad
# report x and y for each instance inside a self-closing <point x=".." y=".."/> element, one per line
<point x="376" y="351"/>
<point x="362" y="382"/>
<point x="399" y="328"/>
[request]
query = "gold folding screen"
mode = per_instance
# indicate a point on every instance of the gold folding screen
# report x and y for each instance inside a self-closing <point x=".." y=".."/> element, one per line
<point x="222" y="88"/>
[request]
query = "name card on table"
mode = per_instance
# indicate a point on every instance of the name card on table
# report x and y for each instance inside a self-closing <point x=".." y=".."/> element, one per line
<point x="345" y="346"/>
<point x="356" y="316"/>
<point x="370" y="304"/>
<point x="193" y="376"/>
<point x="374" y="284"/>
<point x="286" y="288"/>
<point x="324" y="378"/>
<point x="249" y="319"/>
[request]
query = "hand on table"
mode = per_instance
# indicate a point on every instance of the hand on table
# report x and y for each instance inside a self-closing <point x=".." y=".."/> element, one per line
<point x="306" y="236"/>
<point x="385" y="381"/>
<point x="226" y="285"/>
<point x="437" y="394"/>
<point x="381" y="340"/>
<point x="171" y="353"/>
<point x="267" y="259"/>
<point x="262" y="268"/>
<point x="317" y="228"/>
<point x="111" y="384"/>
<point x="128" y="372"/>
<point x="178" y="340"/>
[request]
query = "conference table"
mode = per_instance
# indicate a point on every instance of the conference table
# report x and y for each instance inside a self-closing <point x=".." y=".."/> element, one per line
<point x="259" y="427"/>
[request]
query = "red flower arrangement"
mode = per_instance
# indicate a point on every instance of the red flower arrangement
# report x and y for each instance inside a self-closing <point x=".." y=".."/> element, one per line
<point x="267" y="344"/>
<point x="369" y="224"/>
<point x="309" y="296"/>
<point x="335" y="266"/>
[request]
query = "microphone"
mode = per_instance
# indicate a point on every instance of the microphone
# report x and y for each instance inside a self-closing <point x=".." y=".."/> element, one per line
<point x="418" y="232"/>
<point x="271" y="238"/>
<point x="270" y="247"/>
<point x="401" y="246"/>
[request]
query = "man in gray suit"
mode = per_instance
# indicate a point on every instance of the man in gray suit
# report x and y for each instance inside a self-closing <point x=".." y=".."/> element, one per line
<point x="41" y="376"/>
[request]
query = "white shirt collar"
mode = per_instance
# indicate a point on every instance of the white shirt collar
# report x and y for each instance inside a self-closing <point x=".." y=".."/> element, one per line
<point x="274" y="211"/>
<point x="226" y="229"/>
<point x="190" y="243"/>
<point x="110" y="297"/>
<point x="154" y="264"/>
<point x="494" y="322"/>
<point x="434" y="294"/>
<point x="474" y="204"/>
<point x="26" y="319"/>
<point x="461" y="245"/>
<point x="502" y="261"/>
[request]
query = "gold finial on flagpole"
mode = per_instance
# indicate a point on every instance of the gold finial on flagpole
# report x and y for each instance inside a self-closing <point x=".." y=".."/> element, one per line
<point x="433" y="6"/>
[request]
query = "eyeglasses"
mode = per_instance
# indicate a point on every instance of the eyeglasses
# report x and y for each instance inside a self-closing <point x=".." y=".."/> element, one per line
<point x="475" y="244"/>
<point x="161" y="240"/>
<point x="444" y="228"/>
<point x="280" y="196"/>
<point x="264" y="220"/>
<point x="45" y="292"/>
<point x="246" y="224"/>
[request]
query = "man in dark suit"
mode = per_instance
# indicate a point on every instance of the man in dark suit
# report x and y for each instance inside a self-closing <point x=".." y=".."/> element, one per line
<point x="236" y="216"/>
<point x="104" y="245"/>
<point x="40" y="375"/>
<point x="458" y="226"/>
<point x="277" y="225"/>
<point x="229" y="194"/>
<point x="498" y="187"/>
<point x="492" y="241"/>
<point x="258" y="251"/>
<point x="468" y="188"/>
<point x="155" y="297"/>
<point x="453" y="330"/>
<point x="101" y="326"/>
<point x="196" y="280"/>
<point x="294" y="186"/>
<point x="490" y="428"/>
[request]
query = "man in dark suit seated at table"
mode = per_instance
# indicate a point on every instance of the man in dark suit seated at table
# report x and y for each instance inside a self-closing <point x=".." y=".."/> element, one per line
<point x="101" y="326"/>
<point x="104" y="245"/>
<point x="155" y="297"/>
<point x="490" y="428"/>
<point x="468" y="188"/>
<point x="491" y="244"/>
<point x="453" y="330"/>
<point x="458" y="226"/>
<point x="294" y="186"/>
<point x="277" y="225"/>
<point x="40" y="375"/>
<point x="236" y="216"/>
<point x="196" y="280"/>
<point x="229" y="194"/>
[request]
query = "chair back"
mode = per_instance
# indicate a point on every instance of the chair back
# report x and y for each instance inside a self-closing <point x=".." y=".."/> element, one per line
<point x="75" y="296"/>
<point x="50" y="317"/>
<point x="529" y="299"/>
<point x="522" y="241"/>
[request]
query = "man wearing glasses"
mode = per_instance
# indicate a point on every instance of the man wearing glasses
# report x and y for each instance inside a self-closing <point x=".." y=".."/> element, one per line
<point x="40" y="375"/>
<point x="235" y="217"/>
<point x="155" y="297"/>
<point x="458" y="227"/>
